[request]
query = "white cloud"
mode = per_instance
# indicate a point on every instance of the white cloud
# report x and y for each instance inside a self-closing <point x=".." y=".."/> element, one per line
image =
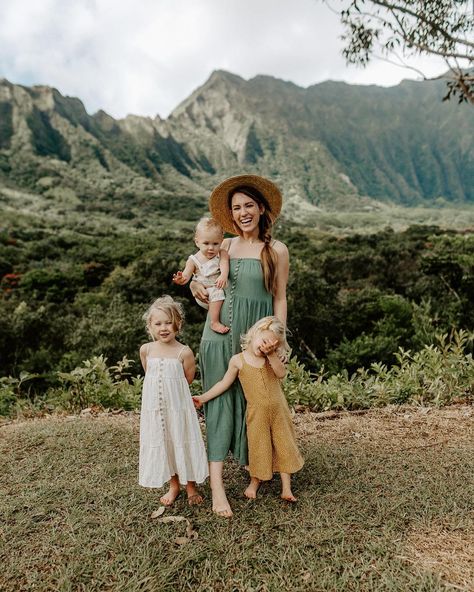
<point x="145" y="56"/>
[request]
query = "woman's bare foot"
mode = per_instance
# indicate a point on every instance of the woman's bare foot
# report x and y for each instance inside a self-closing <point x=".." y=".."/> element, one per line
<point x="288" y="497"/>
<point x="220" y="504"/>
<point x="251" y="491"/>
<point x="218" y="327"/>
<point x="194" y="497"/>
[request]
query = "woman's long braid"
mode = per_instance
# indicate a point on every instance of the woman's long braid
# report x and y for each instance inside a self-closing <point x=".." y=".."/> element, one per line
<point x="268" y="255"/>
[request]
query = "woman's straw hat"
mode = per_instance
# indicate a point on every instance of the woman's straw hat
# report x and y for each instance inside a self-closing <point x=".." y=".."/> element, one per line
<point x="218" y="202"/>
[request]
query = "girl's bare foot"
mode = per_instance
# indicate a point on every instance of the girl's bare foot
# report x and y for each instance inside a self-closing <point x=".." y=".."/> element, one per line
<point x="170" y="496"/>
<point x="219" y="327"/>
<point x="220" y="504"/>
<point x="251" y="491"/>
<point x="286" y="493"/>
<point x="194" y="497"/>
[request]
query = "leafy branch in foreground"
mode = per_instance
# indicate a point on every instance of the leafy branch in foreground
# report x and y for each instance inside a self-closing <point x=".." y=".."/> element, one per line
<point x="436" y="375"/>
<point x="404" y="28"/>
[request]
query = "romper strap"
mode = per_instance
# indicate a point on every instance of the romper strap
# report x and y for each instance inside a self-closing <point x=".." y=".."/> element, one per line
<point x="180" y="352"/>
<point x="196" y="261"/>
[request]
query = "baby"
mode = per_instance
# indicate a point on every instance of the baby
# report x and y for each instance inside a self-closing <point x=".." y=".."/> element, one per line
<point x="210" y="267"/>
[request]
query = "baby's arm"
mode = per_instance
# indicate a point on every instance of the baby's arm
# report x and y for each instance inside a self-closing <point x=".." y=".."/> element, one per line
<point x="143" y="352"/>
<point x="224" y="268"/>
<point x="189" y="364"/>
<point x="183" y="277"/>
<point x="221" y="386"/>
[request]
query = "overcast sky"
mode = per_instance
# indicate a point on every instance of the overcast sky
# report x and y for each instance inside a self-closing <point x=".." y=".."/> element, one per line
<point x="146" y="56"/>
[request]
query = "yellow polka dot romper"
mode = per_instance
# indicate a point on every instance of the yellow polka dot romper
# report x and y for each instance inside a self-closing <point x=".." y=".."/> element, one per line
<point x="270" y="430"/>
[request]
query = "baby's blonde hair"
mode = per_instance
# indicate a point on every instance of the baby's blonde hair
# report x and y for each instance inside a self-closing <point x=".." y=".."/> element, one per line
<point x="267" y="324"/>
<point x="207" y="224"/>
<point x="170" y="307"/>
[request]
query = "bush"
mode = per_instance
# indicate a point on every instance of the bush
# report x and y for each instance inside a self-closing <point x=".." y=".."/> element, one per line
<point x="95" y="383"/>
<point x="436" y="375"/>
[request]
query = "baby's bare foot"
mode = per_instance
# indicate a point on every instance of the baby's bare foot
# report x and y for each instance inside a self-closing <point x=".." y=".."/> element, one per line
<point x="288" y="497"/>
<point x="219" y="327"/>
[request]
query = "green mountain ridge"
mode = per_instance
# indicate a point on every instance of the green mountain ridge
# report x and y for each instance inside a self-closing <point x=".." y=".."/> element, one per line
<point x="331" y="146"/>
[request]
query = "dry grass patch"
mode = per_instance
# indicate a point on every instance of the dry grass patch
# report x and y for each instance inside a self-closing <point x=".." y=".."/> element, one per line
<point x="448" y="553"/>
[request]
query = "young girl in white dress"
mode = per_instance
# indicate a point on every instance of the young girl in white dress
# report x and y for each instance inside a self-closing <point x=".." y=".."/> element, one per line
<point x="171" y="444"/>
<point x="210" y="267"/>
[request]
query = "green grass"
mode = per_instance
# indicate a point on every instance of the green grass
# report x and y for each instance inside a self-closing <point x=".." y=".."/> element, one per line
<point x="375" y="496"/>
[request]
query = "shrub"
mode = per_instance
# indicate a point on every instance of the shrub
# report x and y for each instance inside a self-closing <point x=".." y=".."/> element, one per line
<point x="95" y="383"/>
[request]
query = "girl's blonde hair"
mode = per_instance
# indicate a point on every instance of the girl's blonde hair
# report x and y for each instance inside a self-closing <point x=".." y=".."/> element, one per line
<point x="170" y="307"/>
<point x="207" y="224"/>
<point x="268" y="256"/>
<point x="267" y="324"/>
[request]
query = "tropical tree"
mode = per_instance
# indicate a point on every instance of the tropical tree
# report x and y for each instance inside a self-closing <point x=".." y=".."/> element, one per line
<point x="400" y="29"/>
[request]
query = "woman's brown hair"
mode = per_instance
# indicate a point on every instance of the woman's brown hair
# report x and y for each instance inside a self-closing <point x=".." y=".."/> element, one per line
<point x="268" y="256"/>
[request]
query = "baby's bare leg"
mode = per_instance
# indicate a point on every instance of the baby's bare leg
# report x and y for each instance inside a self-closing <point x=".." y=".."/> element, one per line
<point x="251" y="491"/>
<point x="172" y="493"/>
<point x="286" y="492"/>
<point x="215" y="314"/>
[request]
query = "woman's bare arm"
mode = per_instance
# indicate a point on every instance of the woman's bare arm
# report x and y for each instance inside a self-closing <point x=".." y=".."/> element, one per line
<point x="283" y="266"/>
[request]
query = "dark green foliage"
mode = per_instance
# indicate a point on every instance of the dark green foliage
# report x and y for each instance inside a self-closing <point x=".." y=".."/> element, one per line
<point x="253" y="148"/>
<point x="6" y="125"/>
<point x="47" y="141"/>
<point x="352" y="301"/>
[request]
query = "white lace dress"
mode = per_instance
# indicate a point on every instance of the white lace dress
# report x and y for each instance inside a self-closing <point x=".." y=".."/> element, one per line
<point x="170" y="436"/>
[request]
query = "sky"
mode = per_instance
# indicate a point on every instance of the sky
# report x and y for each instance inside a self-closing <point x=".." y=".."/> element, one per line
<point x="146" y="56"/>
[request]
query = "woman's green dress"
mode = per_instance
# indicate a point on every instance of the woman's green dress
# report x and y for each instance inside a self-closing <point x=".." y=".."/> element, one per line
<point x="246" y="302"/>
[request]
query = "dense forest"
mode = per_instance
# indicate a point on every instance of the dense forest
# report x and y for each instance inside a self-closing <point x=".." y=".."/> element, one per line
<point x="353" y="300"/>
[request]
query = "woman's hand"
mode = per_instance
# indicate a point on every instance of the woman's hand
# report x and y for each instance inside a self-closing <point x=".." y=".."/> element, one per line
<point x="268" y="346"/>
<point x="199" y="291"/>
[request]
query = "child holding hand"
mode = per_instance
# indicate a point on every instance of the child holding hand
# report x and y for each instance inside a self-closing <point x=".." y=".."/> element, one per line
<point x="270" y="431"/>
<point x="210" y="267"/>
<point x="171" y="444"/>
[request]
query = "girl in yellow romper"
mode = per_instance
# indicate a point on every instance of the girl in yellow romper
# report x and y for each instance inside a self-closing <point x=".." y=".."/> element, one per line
<point x="270" y="431"/>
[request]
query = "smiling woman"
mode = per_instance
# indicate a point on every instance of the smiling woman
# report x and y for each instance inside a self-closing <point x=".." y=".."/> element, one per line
<point x="246" y="206"/>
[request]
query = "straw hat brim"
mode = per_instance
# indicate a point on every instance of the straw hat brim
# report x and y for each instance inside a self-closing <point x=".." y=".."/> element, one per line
<point x="218" y="201"/>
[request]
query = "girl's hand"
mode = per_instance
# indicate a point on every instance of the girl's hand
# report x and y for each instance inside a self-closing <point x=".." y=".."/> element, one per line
<point x="197" y="402"/>
<point x="178" y="278"/>
<point x="221" y="282"/>
<point x="199" y="291"/>
<point x="268" y="346"/>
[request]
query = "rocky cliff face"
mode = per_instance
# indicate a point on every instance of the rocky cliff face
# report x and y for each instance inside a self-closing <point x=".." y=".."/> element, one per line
<point x="331" y="146"/>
